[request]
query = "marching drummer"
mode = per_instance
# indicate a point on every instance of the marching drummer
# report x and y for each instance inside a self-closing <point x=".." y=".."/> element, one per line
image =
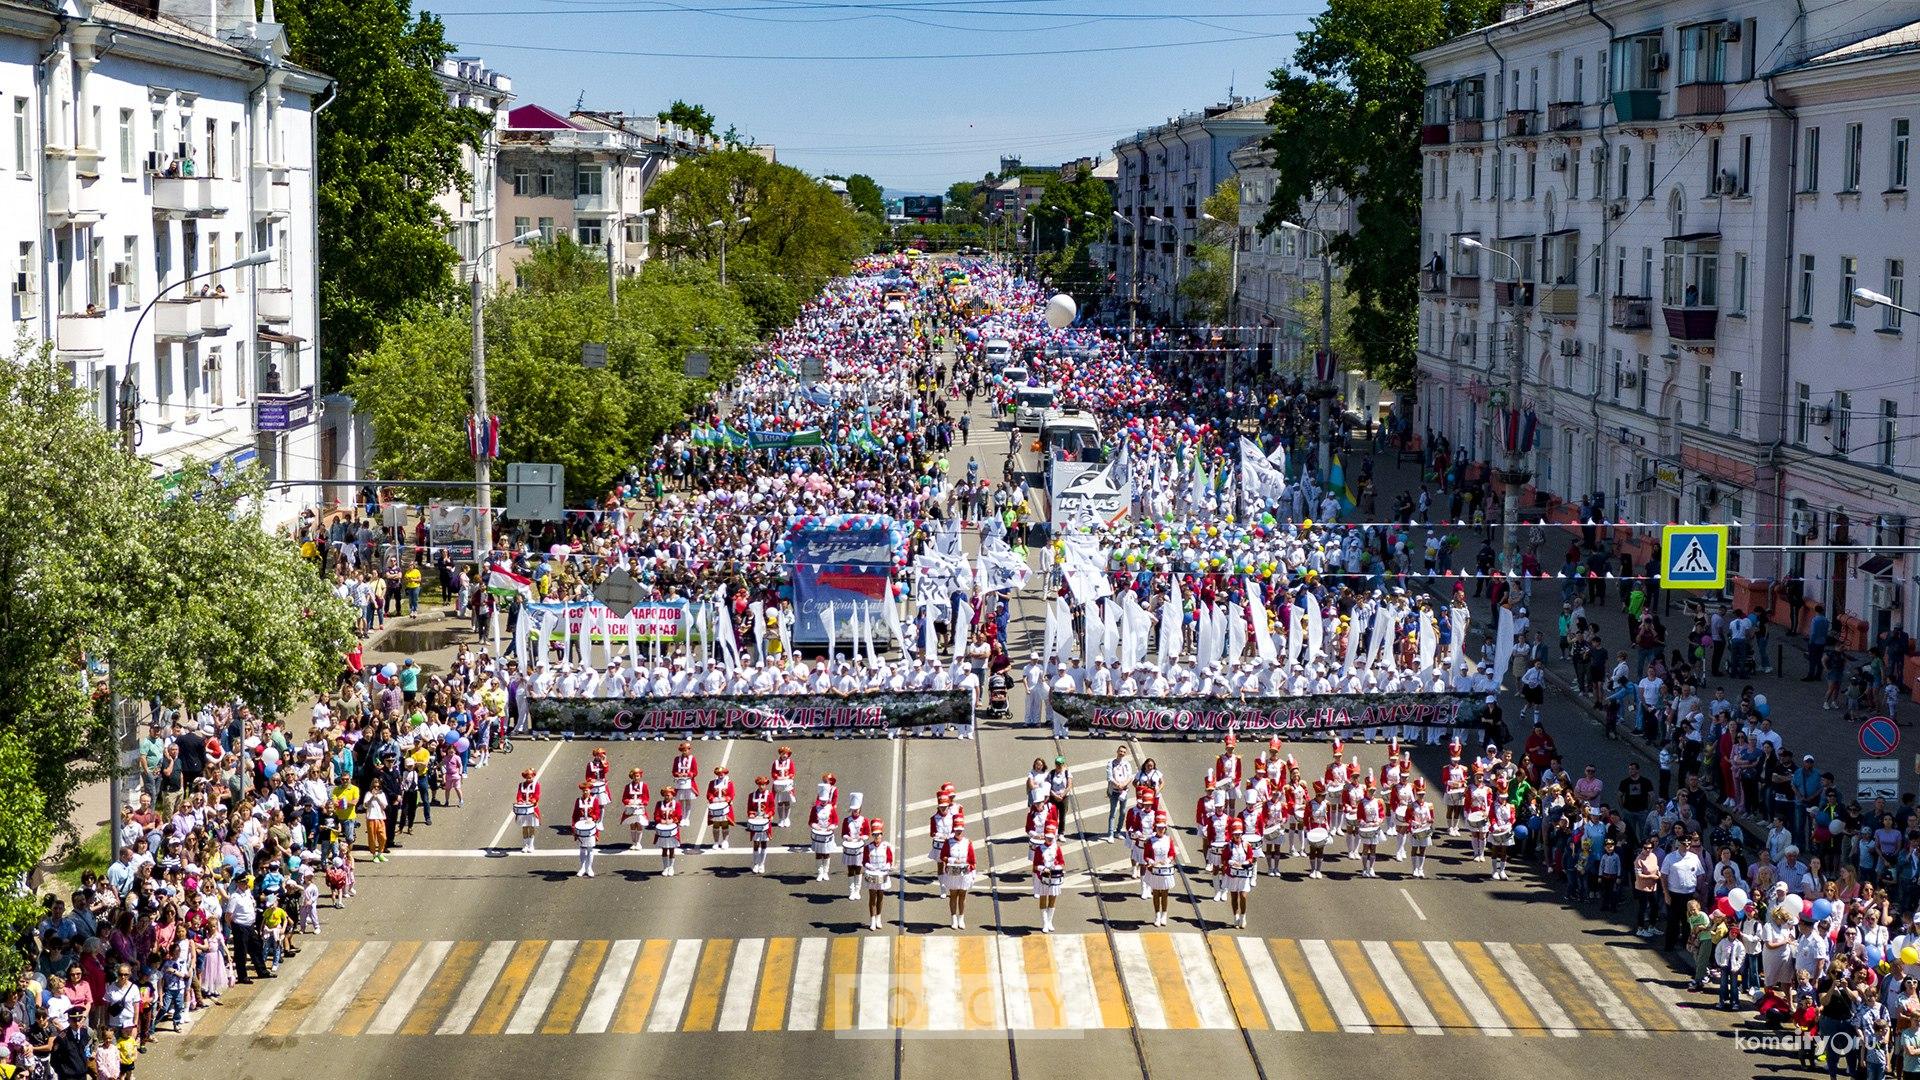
<point x="686" y="774"/>
<point x="1240" y="860"/>
<point x="1319" y="828"/>
<point x="1139" y="830"/>
<point x="941" y="826"/>
<point x="956" y="864"/>
<point x="1049" y="870"/>
<point x="1160" y="854"/>
<point x="853" y="843"/>
<point x="1296" y="811"/>
<point x="876" y="866"/>
<point x="1214" y="834"/>
<point x="597" y="772"/>
<point x="1478" y="805"/>
<point x="586" y="827"/>
<point x="526" y="808"/>
<point x="1042" y="815"/>
<point x="1500" y="828"/>
<point x="1350" y="809"/>
<point x="633" y="805"/>
<point x="1274" y="822"/>
<point x="1370" y="817"/>
<point x="1225" y="772"/>
<point x="720" y="794"/>
<point x="1416" y="820"/>
<point x="760" y="811"/>
<point x="782" y="772"/>
<point x="823" y="825"/>
<point x="1453" y="782"/>
<point x="668" y="814"/>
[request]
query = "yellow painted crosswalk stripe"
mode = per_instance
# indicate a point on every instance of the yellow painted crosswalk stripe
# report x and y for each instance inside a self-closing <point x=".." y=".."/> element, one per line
<point x="1158" y="980"/>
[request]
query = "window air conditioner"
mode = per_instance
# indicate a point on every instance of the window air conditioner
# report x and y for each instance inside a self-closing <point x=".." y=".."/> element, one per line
<point x="1630" y="379"/>
<point x="1726" y="183"/>
<point x="1558" y="163"/>
<point x="1658" y="62"/>
<point x="1730" y="31"/>
<point x="1883" y="595"/>
<point x="1822" y="415"/>
<point x="1569" y="347"/>
<point x="121" y="274"/>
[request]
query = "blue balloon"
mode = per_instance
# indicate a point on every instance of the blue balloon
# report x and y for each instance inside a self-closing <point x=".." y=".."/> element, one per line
<point x="389" y="670"/>
<point x="1874" y="956"/>
<point x="1822" y="908"/>
<point x="1519" y="832"/>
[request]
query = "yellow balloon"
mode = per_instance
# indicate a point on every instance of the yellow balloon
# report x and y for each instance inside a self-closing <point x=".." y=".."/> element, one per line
<point x="1307" y="523"/>
<point x="1910" y="955"/>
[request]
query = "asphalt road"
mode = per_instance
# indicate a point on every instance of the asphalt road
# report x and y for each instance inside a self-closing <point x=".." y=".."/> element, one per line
<point x="462" y="956"/>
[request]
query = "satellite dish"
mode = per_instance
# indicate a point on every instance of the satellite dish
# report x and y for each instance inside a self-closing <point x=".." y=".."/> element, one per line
<point x="1061" y="311"/>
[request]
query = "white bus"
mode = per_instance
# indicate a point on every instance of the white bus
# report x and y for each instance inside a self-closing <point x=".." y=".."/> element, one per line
<point x="997" y="353"/>
<point x="1031" y="405"/>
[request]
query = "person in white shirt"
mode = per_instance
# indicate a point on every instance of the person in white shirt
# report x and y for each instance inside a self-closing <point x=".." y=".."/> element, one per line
<point x="1120" y="773"/>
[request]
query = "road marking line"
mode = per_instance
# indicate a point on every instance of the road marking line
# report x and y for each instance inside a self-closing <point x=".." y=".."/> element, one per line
<point x="540" y="989"/>
<point x="1176" y="1001"/>
<point x="333" y="1003"/>
<point x="907" y="1008"/>
<point x="875" y="974"/>
<point x="507" y="988"/>
<point x="642" y="986"/>
<point x="1400" y="988"/>
<point x="981" y="1009"/>
<point x="1203" y="985"/>
<point x="940" y="976"/>
<point x="700" y="841"/>
<point x="1346" y="1007"/>
<point x="1013" y="984"/>
<point x="255" y="1014"/>
<point x="736" y="1009"/>
<point x="1266" y="982"/>
<point x="1314" y="1008"/>
<point x="1611" y="1008"/>
<point x="1075" y="881"/>
<point x="1367" y="987"/>
<point x="1652" y="981"/>
<point x="1075" y="980"/>
<point x="1107" y="989"/>
<point x="1137" y="970"/>
<point x="1582" y="1012"/>
<point x="709" y="981"/>
<point x="1414" y="906"/>
<point x="366" y="1003"/>
<point x="598" y="1015"/>
<point x="675" y="983"/>
<point x="776" y="985"/>
<point x="441" y="989"/>
<point x="809" y="967"/>
<point x="843" y="984"/>
<point x="994" y="789"/>
<point x="1434" y="993"/>
<point x="500" y="833"/>
<point x="1043" y="984"/>
<point x="1479" y="1003"/>
<point x="1233" y="974"/>
<point x="1652" y="1016"/>
<point x="406" y="993"/>
<point x="580" y="980"/>
<point x="1531" y="989"/>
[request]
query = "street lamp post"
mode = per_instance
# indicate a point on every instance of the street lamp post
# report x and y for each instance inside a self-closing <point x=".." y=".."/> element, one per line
<point x="1233" y="289"/>
<point x="1323" y="387"/>
<point x="1133" y="278"/>
<point x="717" y="224"/>
<point x="482" y="462"/>
<point x="1515" y="475"/>
<point x="617" y="224"/>
<point x="1173" y="286"/>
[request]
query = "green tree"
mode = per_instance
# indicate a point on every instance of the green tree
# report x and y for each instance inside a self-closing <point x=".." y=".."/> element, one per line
<point x="866" y="196"/>
<point x="25" y="833"/>
<point x="966" y="203"/>
<point x="1206" y="291"/>
<point x="1305" y="307"/>
<point x="692" y="117"/>
<point x="1346" y="118"/>
<point x="386" y="147"/>
<point x="1070" y="218"/>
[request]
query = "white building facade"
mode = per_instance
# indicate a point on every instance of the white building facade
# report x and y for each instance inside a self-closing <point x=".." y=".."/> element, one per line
<point x="1630" y="169"/>
<point x="153" y="145"/>
<point x="470" y="84"/>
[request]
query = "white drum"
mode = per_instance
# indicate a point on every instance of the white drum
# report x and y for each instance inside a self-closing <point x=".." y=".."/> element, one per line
<point x="1501" y="838"/>
<point x="1369" y="834"/>
<point x="1456" y="798"/>
<point x="855" y="855"/>
<point x="717" y="811"/>
<point x="1422" y="835"/>
<point x="1160" y="878"/>
<point x="1047" y="882"/>
<point x="1240" y="878"/>
<point x="586" y="830"/>
<point x="823" y="842"/>
<point x="666" y="837"/>
<point x="527" y="814"/>
<point x="1476" y="819"/>
<point x="633" y="813"/>
<point x="1318" y="837"/>
<point x="683" y="783"/>
<point x="758" y="829"/>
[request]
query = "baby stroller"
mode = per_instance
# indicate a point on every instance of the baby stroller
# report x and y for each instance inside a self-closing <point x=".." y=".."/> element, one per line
<point x="997" y="686"/>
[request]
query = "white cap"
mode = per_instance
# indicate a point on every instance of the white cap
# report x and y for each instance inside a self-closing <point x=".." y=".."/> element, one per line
<point x="854" y="801"/>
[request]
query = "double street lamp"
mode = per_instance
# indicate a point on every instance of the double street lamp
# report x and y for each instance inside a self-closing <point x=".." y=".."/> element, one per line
<point x="1133" y="279"/>
<point x="616" y="229"/>
<point x="1322" y="372"/>
<point x="1515" y="474"/>
<point x="723" y="225"/>
<point x="482" y="460"/>
<point x="1868" y="298"/>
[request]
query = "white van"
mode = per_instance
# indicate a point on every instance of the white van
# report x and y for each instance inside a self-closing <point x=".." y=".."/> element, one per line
<point x="1031" y="405"/>
<point x="997" y="353"/>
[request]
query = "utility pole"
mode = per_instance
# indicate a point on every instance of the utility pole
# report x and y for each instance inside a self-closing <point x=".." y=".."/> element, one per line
<point x="1516" y="475"/>
<point x="613" y="289"/>
<point x="482" y="468"/>
<point x="129" y="409"/>
<point x="1325" y="388"/>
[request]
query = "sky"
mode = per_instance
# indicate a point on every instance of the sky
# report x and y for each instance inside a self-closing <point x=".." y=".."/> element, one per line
<point x="915" y="93"/>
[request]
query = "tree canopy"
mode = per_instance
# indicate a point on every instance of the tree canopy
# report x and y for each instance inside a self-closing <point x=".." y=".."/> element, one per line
<point x="1207" y="289"/>
<point x="866" y="196"/>
<point x="1346" y="118"/>
<point x="691" y="117"/>
<point x="387" y="146"/>
<point x="1072" y="216"/>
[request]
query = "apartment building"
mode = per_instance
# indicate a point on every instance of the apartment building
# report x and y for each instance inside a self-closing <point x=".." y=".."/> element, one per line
<point x="1634" y="182"/>
<point x="584" y="175"/>
<point x="153" y="145"/>
<point x="1164" y="174"/>
<point x="470" y="84"/>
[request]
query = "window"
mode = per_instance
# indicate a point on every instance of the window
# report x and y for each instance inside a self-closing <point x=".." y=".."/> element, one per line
<point x="213" y="383"/>
<point x="213" y="149"/>
<point x="587" y="232"/>
<point x="1470" y="99"/>
<point x="1636" y="63"/>
<point x="1533" y="174"/>
<point x="1736" y="401"/>
<point x="1521" y="248"/>
<point x="1626" y="170"/>
<point x="233" y="146"/>
<point x="159" y="131"/>
<point x="1477" y="186"/>
<point x="1579" y="79"/>
<point x="1850" y="158"/>
<point x="636" y="231"/>
<point x="1739" y="283"/>
<point x="1560" y="258"/>
<point x="1647" y="171"/>
<point x="546" y="230"/>
<point x="130" y="259"/>
<point x="1691" y="274"/>
<point x="1802" y="413"/>
<point x="588" y="180"/>
<point x="1889" y="431"/>
<point x="1619" y="376"/>
<point x="97" y="271"/>
<point x="127" y="154"/>
<point x="1896" y="290"/>
<point x="1433" y="109"/>
<point x="1646" y="271"/>
<point x="1743" y="182"/>
<point x="1705" y="403"/>
<point x="1842" y="422"/>
<point x="545" y="181"/>
<point x="1849" y="278"/>
<point x="521" y="227"/>
<point x="163" y="380"/>
<point x="1810" y="161"/>
<point x="1713" y="165"/>
<point x="1513" y="175"/>
<point x="22" y="137"/>
<point x="1703" y="53"/>
<point x="1642" y="381"/>
<point x="1902" y="144"/>
<point x="522" y="180"/>
<point x="1803" y="303"/>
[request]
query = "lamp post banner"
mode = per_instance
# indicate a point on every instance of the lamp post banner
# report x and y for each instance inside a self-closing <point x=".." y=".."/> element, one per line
<point x="1177" y="717"/>
<point x="786" y="715"/>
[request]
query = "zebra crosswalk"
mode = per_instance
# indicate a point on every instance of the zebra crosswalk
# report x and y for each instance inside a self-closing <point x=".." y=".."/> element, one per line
<point x="970" y="982"/>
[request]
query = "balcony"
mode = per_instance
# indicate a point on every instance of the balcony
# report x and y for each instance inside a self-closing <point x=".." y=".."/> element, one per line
<point x="71" y="197"/>
<point x="1560" y="302"/>
<point x="1692" y="325"/>
<point x="1514" y="293"/>
<point x="82" y="335"/>
<point x="1433" y="134"/>
<point x="1632" y="313"/>
<point x="1633" y="106"/>
<point x="1466" y="131"/>
<point x="1432" y="282"/>
<point x="1464" y="287"/>
<point x="283" y="411"/>
<point x="1519" y="123"/>
<point x="215" y="315"/>
<point x="180" y="320"/>
<point x="1563" y="116"/>
<point x="1700" y="99"/>
<point x="272" y="191"/>
<point x="599" y="203"/>
<point x="186" y="196"/>
<point x="273" y="305"/>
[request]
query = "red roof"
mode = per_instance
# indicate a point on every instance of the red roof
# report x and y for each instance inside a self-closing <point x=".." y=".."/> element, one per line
<point x="538" y="118"/>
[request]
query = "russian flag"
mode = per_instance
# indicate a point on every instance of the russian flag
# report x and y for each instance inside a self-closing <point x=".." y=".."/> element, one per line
<point x="483" y="436"/>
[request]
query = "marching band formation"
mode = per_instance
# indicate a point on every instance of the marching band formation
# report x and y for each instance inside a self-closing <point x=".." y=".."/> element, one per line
<point x="1252" y="816"/>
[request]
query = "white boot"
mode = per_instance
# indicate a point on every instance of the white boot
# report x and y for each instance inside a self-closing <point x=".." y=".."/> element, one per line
<point x="963" y="922"/>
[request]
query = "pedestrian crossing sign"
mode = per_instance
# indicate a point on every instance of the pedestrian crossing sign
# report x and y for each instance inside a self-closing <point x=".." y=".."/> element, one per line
<point x="1693" y="557"/>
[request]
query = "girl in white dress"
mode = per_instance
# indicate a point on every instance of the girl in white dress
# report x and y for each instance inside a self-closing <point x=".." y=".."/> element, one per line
<point x="1049" y="869"/>
<point x="957" y="867"/>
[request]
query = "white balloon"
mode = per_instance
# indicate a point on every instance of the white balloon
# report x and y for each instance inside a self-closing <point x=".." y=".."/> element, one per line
<point x="1794" y="904"/>
<point x="1061" y="311"/>
<point x="1738" y="898"/>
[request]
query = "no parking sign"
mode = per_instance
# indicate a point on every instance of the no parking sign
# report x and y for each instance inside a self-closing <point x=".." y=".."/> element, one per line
<point x="1879" y="737"/>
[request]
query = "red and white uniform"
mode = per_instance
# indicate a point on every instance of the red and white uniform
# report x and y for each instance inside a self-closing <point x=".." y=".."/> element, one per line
<point x="1274" y="814"/>
<point x="1160" y="854"/>
<point x="1335" y="776"/>
<point x="1397" y="799"/>
<point x="940" y="825"/>
<point x="586" y="818"/>
<point x="759" y="810"/>
<point x="667" y="816"/>
<point x="853" y="837"/>
<point x="1225" y="772"/>
<point x="633" y="803"/>
<point x="1039" y="817"/>
<point x="1049" y="867"/>
<point x="1240" y="866"/>
<point x="823" y="822"/>
<point x="1370" y="816"/>
<point x="1350" y="805"/>
<point x="876" y="862"/>
<point x="1253" y="817"/>
<point x="1217" y="831"/>
<point x="1480" y="802"/>
<point x="1295" y="804"/>
<point x="1416" y="820"/>
<point x="954" y="857"/>
<point x="1500" y="824"/>
<point x="720" y="800"/>
<point x="1139" y="829"/>
<point x="686" y="773"/>
<point x="783" y="775"/>
<point x="597" y="776"/>
<point x="1454" y="779"/>
<point x="1320" y="814"/>
<point x="526" y="802"/>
